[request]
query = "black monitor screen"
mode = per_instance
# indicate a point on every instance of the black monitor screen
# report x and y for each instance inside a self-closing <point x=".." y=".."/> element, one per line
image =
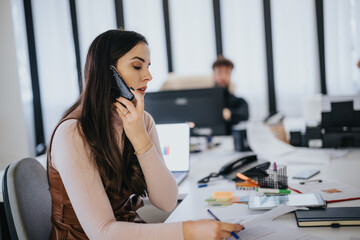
<point x="202" y="106"/>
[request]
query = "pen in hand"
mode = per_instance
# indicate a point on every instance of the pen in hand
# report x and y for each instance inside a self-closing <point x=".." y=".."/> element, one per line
<point x="217" y="219"/>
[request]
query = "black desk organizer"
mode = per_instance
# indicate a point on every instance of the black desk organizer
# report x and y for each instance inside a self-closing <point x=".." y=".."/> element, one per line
<point x="275" y="179"/>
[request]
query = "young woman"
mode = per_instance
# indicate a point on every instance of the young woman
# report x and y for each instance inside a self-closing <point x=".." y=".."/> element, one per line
<point x="105" y="155"/>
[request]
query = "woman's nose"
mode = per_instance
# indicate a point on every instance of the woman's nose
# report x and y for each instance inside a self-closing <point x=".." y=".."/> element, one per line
<point x="148" y="76"/>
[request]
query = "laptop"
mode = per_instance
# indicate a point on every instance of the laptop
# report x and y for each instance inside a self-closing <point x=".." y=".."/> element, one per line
<point x="174" y="142"/>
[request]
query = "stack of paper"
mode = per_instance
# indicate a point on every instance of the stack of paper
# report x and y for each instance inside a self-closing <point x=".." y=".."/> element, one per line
<point x="265" y="144"/>
<point x="261" y="226"/>
<point x="329" y="190"/>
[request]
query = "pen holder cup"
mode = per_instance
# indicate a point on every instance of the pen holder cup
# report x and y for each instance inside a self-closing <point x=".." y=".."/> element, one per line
<point x="240" y="140"/>
<point x="275" y="179"/>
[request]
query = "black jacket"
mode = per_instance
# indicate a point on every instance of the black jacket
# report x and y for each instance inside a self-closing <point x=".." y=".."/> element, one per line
<point x="238" y="107"/>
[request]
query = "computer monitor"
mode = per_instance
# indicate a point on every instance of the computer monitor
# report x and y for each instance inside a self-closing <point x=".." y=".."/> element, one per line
<point x="201" y="106"/>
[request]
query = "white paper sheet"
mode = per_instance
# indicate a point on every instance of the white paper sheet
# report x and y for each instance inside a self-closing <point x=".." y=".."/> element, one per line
<point x="261" y="226"/>
<point x="272" y="214"/>
<point x="236" y="213"/>
<point x="306" y="156"/>
<point x="329" y="190"/>
<point x="268" y="230"/>
<point x="263" y="142"/>
<point x="246" y="217"/>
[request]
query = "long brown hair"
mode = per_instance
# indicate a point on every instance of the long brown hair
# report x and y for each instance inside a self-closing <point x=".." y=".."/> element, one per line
<point x="117" y="170"/>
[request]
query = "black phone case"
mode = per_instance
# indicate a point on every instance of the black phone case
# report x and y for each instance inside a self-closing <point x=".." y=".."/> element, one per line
<point x="121" y="89"/>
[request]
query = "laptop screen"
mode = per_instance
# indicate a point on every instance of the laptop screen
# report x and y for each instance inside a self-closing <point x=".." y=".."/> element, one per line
<point x="174" y="142"/>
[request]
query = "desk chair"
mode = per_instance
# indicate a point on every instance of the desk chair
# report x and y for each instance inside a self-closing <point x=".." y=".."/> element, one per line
<point x="27" y="200"/>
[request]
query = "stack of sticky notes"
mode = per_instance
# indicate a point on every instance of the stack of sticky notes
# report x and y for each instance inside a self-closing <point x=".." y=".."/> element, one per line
<point x="225" y="198"/>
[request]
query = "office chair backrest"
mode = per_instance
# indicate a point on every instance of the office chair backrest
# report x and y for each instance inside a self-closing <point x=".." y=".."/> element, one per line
<point x="27" y="200"/>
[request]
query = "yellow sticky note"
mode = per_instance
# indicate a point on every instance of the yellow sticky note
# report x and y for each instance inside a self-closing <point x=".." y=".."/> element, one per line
<point x="225" y="195"/>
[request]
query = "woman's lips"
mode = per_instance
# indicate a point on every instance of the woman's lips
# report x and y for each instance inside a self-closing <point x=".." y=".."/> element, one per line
<point x="142" y="90"/>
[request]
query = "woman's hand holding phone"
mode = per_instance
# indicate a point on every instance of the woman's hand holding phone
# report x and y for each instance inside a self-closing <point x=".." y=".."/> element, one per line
<point x="133" y="120"/>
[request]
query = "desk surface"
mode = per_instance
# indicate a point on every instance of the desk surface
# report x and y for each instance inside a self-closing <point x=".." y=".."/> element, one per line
<point x="345" y="170"/>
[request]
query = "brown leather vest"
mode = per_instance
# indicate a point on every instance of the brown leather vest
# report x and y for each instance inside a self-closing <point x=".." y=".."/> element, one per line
<point x="65" y="224"/>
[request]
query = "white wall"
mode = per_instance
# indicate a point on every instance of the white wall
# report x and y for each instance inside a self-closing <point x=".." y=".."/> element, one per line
<point x="243" y="33"/>
<point x="13" y="138"/>
<point x="147" y="18"/>
<point x="342" y="46"/>
<point x="56" y="61"/>
<point x="192" y="36"/>
<point x="295" y="48"/>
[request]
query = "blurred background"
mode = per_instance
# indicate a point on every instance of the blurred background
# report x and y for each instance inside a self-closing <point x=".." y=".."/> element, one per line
<point x="284" y="52"/>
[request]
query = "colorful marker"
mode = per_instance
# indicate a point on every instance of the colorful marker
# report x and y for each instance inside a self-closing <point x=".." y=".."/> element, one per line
<point x="270" y="190"/>
<point x="276" y="175"/>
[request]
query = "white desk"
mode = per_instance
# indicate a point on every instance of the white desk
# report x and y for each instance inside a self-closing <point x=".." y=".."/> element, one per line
<point x="345" y="170"/>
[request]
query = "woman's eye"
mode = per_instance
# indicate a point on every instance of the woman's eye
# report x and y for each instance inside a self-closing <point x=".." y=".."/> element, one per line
<point x="137" y="68"/>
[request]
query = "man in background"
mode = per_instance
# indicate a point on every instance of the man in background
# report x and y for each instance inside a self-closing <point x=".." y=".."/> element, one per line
<point x="236" y="109"/>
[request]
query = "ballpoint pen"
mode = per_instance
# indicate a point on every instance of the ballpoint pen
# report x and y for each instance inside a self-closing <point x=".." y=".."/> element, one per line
<point x="217" y="219"/>
<point x="203" y="185"/>
<point x="308" y="181"/>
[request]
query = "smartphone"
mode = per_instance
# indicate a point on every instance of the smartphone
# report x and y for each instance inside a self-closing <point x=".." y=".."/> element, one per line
<point x="311" y="200"/>
<point x="306" y="174"/>
<point x="120" y="87"/>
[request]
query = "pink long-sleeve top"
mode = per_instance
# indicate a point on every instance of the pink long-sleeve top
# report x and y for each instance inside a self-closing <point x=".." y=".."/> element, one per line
<point x="70" y="156"/>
